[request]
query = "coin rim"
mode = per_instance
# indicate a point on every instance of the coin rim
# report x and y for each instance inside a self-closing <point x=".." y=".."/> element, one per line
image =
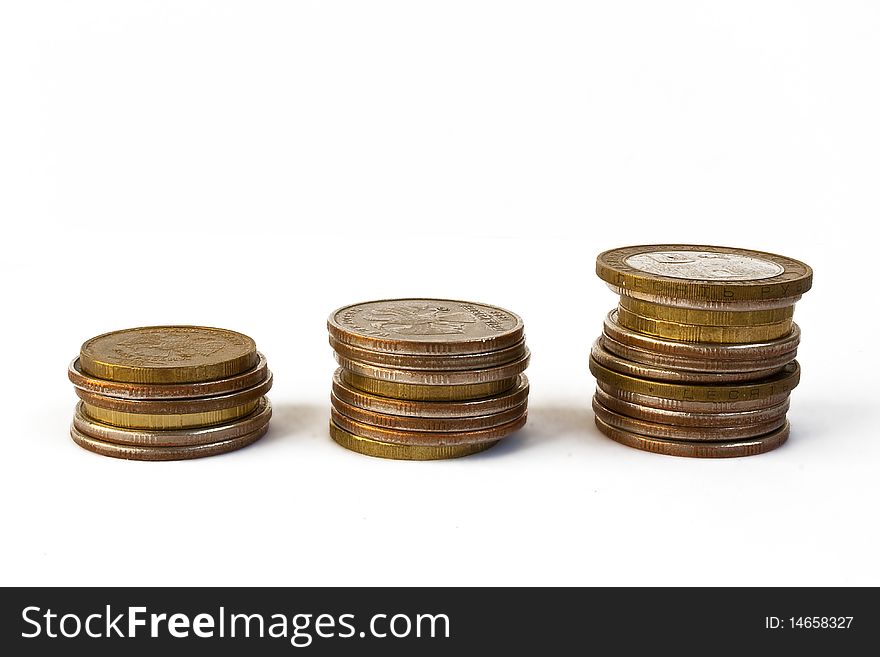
<point x="448" y="362"/>
<point x="702" y="333"/>
<point x="436" y="378"/>
<point x="416" y="393"/>
<point x="378" y="449"/>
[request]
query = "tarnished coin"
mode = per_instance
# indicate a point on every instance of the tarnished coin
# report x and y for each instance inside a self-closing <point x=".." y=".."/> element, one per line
<point x="168" y="354"/>
<point x="151" y="421"/>
<point x="613" y="362"/>
<point x="173" y="438"/>
<point x="703" y="333"/>
<point x="432" y="424"/>
<point x="706" y="317"/>
<point x="177" y="406"/>
<point x="696" y="351"/>
<point x="512" y="398"/>
<point x="165" y="453"/>
<point x="690" y="406"/>
<point x="704" y="273"/>
<point x="376" y="448"/>
<point x="426" y="326"/>
<point x="674" y="432"/>
<point x="647" y="357"/>
<point x="690" y="418"/>
<point x="435" y="378"/>
<point x="409" y="392"/>
<point x="108" y="388"/>
<point x="435" y="438"/>
<point x="449" y="362"/>
<point x="697" y="449"/>
<point x="782" y="382"/>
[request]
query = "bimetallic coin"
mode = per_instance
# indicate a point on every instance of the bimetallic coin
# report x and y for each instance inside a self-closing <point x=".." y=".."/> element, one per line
<point x="690" y="406"/>
<point x="500" y="403"/>
<point x="165" y="453"/>
<point x="647" y="357"/>
<point x="690" y="418"/>
<point x="672" y="432"/>
<point x="639" y="370"/>
<point x="450" y="362"/>
<point x="435" y="438"/>
<point x="168" y="421"/>
<point x="700" y="333"/>
<point x="706" y="317"/>
<point x="433" y="378"/>
<point x="176" y="406"/>
<point x="172" y="438"/>
<point x="446" y="424"/>
<point x="168" y="354"/>
<point x="697" y="449"/>
<point x="426" y="326"/>
<point x="409" y="392"/>
<point x="711" y="273"/>
<point x="782" y="382"/>
<point x="757" y="351"/>
<point x="107" y="388"/>
<point x="379" y="449"/>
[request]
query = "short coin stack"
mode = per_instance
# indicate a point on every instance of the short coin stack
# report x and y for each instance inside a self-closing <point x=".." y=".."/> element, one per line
<point x="698" y="359"/>
<point x="163" y="393"/>
<point x="424" y="379"/>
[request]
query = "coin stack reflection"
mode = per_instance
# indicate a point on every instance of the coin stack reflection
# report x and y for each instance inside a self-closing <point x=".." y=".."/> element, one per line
<point x="169" y="392"/>
<point x="698" y="359"/>
<point x="424" y="379"/>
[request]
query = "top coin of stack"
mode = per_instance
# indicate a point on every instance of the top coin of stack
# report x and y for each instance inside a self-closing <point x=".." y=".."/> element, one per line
<point x="698" y="359"/>
<point x="169" y="392"/>
<point x="426" y="378"/>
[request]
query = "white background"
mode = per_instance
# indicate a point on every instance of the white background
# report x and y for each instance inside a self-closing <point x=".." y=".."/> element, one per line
<point x="254" y="165"/>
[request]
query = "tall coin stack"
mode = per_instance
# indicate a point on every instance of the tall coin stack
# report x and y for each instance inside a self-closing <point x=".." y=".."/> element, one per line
<point x="424" y="379"/>
<point x="162" y="393"/>
<point x="698" y="359"/>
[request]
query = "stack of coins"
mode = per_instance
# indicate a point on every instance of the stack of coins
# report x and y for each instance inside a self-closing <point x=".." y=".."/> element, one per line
<point x="424" y="379"/>
<point x="162" y="393"/>
<point x="698" y="359"/>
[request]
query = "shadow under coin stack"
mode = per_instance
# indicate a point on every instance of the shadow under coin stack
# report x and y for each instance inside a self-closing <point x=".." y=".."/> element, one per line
<point x="426" y="379"/>
<point x="163" y="393"/>
<point x="698" y="359"/>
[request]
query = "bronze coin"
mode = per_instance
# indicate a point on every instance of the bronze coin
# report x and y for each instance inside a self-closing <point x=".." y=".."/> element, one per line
<point x="446" y="424"/>
<point x="700" y="333"/>
<point x="107" y="388"/>
<point x="411" y="392"/>
<point x="437" y="439"/>
<point x="673" y="432"/>
<point x="168" y="354"/>
<point x="499" y="403"/>
<point x="450" y="362"/>
<point x="165" y="453"/>
<point x="697" y="449"/>
<point x="173" y="438"/>
<point x="689" y="406"/>
<point x="379" y="449"/>
<point x="426" y="326"/>
<point x="689" y="418"/>
<point x="434" y="378"/>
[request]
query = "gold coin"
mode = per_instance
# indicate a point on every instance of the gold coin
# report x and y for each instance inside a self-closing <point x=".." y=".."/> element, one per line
<point x="412" y="392"/>
<point x="704" y="273"/>
<point x="701" y="333"/>
<point x="170" y="437"/>
<point x="166" y="453"/>
<point x="690" y="406"/>
<point x="450" y="362"/>
<point x="435" y="378"/>
<point x="678" y="315"/>
<point x="516" y="396"/>
<point x="782" y="382"/>
<point x="168" y="354"/>
<point x="677" y="432"/>
<point x="697" y="449"/>
<point x="379" y="449"/>
<point x="426" y="326"/>
<point x="124" y="390"/>
<point x="169" y="421"/>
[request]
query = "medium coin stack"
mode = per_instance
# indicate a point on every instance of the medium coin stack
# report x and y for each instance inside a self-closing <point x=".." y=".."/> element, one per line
<point x="163" y="393"/>
<point x="698" y="359"/>
<point x="424" y="379"/>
